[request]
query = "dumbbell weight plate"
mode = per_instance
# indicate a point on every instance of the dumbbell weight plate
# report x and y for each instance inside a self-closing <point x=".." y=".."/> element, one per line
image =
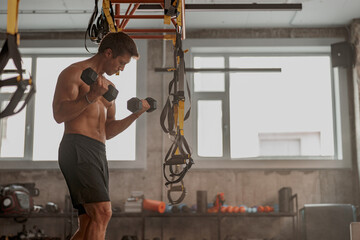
<point x="153" y="104"/>
<point x="111" y="94"/>
<point x="134" y="104"/>
<point x="89" y="76"/>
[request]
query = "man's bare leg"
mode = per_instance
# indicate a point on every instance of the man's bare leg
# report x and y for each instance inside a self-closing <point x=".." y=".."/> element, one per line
<point x="100" y="214"/>
<point x="83" y="220"/>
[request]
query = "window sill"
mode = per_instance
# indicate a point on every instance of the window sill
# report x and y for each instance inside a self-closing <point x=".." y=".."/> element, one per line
<point x="271" y="164"/>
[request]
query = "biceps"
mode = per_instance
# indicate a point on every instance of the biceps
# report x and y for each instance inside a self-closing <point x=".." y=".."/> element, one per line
<point x="64" y="93"/>
<point x="111" y="113"/>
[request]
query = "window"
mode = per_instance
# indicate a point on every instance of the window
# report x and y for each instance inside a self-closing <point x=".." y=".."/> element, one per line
<point x="32" y="136"/>
<point x="286" y="109"/>
<point x="296" y="100"/>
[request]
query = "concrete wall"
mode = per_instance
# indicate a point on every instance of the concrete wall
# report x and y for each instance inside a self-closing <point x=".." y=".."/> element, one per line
<point x="249" y="187"/>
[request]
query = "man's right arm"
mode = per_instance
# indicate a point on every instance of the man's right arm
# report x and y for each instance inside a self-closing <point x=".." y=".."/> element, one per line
<point x="69" y="100"/>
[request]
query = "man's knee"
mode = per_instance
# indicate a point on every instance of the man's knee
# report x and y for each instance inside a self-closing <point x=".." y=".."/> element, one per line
<point x="105" y="214"/>
<point x="99" y="212"/>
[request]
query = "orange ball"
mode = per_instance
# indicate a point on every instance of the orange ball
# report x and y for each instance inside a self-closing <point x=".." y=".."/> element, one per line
<point x="242" y="209"/>
<point x="236" y="209"/>
<point x="260" y="209"/>
<point x="268" y="209"/>
<point x="230" y="209"/>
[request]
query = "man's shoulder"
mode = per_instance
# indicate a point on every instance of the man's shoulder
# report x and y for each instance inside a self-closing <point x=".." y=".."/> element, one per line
<point x="72" y="73"/>
<point x="74" y="68"/>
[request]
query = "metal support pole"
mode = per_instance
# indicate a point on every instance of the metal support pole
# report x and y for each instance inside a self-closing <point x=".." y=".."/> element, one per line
<point x="117" y="12"/>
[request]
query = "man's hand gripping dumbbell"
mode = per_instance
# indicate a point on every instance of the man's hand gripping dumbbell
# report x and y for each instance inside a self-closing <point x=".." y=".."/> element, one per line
<point x="98" y="86"/>
<point x="135" y="105"/>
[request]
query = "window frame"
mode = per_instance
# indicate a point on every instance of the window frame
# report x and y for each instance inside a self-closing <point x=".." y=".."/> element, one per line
<point x="74" y="48"/>
<point x="265" y="47"/>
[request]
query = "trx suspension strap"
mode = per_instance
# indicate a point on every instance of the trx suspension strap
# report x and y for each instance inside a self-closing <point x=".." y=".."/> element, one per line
<point x="178" y="159"/>
<point x="109" y="15"/>
<point x="10" y="50"/>
<point x="99" y="26"/>
<point x="170" y="10"/>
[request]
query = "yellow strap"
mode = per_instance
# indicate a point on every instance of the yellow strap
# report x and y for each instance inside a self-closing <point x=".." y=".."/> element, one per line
<point x="12" y="17"/>
<point x="170" y="37"/>
<point x="181" y="116"/>
<point x="167" y="19"/>
<point x="106" y="9"/>
<point x="178" y="19"/>
<point x="177" y="152"/>
<point x="175" y="108"/>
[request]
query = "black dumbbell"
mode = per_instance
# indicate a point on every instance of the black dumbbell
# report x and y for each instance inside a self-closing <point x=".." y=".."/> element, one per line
<point x="134" y="104"/>
<point x="89" y="76"/>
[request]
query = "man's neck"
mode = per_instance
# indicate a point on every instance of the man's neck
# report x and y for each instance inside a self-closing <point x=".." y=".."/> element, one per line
<point x="96" y="63"/>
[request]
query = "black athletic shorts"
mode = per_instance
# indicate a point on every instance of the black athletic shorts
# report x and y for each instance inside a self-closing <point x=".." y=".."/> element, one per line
<point x="83" y="163"/>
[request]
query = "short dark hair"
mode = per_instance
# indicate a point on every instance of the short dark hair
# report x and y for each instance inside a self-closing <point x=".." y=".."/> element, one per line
<point x="120" y="43"/>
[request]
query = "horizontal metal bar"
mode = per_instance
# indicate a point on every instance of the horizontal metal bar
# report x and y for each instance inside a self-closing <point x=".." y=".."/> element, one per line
<point x="137" y="1"/>
<point x="147" y="36"/>
<point x="223" y="70"/>
<point x="10" y="71"/>
<point x="150" y="30"/>
<point x="139" y="16"/>
<point x="189" y="7"/>
<point x="233" y="7"/>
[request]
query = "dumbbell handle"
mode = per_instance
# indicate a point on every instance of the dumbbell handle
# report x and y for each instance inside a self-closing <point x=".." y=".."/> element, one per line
<point x="89" y="76"/>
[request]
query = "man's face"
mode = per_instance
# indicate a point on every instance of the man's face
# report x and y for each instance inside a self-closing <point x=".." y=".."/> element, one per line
<point x="117" y="64"/>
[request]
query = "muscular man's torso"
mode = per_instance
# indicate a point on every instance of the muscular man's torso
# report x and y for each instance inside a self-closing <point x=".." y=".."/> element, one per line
<point x="91" y="122"/>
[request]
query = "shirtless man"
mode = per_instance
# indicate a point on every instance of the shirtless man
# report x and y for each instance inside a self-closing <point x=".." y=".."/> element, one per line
<point x="89" y="121"/>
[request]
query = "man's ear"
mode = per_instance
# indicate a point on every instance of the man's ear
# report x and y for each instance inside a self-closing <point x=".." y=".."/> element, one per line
<point x="108" y="52"/>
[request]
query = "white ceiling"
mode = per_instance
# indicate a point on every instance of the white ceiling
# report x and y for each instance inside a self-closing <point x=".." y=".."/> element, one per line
<point x="50" y="15"/>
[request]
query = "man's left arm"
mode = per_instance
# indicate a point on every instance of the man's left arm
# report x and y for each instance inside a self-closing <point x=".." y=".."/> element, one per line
<point x="113" y="127"/>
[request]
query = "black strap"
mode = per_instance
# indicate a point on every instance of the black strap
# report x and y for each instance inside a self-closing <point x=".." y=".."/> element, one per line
<point x="98" y="25"/>
<point x="10" y="50"/>
<point x="177" y="188"/>
<point x="167" y="113"/>
<point x="17" y="96"/>
<point x="91" y="30"/>
<point x="170" y="9"/>
<point x="172" y="159"/>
